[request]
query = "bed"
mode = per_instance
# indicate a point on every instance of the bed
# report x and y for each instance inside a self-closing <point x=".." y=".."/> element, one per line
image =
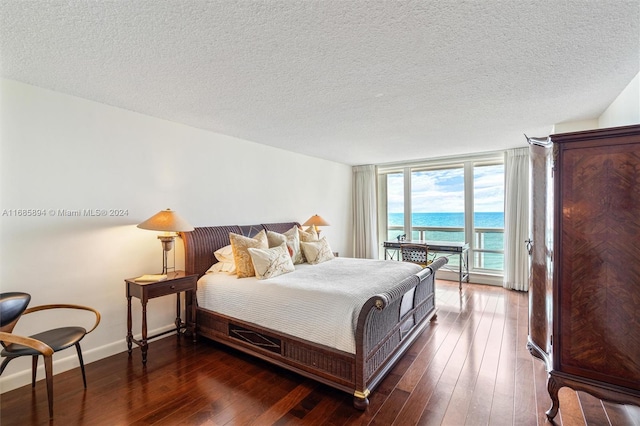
<point x="383" y="326"/>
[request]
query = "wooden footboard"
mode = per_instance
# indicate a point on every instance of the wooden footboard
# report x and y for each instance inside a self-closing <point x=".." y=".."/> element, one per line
<point x="387" y="325"/>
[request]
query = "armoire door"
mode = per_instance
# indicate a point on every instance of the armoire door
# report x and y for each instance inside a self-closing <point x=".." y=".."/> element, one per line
<point x="598" y="263"/>
<point x="541" y="249"/>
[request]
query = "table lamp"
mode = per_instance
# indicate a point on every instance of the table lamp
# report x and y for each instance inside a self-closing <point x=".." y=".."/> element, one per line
<point x="169" y="222"/>
<point x="316" y="221"/>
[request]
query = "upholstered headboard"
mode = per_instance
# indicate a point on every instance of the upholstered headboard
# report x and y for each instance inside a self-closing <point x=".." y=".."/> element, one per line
<point x="202" y="242"/>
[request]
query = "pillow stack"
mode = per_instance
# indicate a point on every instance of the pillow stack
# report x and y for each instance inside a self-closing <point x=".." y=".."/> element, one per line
<point x="269" y="254"/>
<point x="316" y="250"/>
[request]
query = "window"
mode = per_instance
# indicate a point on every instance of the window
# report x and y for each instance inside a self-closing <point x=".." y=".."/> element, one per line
<point x="488" y="218"/>
<point x="459" y="201"/>
<point x="442" y="220"/>
<point x="395" y="205"/>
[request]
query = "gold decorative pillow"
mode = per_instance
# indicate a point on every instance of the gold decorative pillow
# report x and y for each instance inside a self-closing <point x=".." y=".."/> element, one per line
<point x="269" y="263"/>
<point x="240" y="246"/>
<point x="317" y="251"/>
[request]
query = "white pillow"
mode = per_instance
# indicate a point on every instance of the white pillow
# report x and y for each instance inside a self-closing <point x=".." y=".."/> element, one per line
<point x="224" y="254"/>
<point x="317" y="251"/>
<point x="215" y="268"/>
<point x="272" y="262"/>
<point x="225" y="260"/>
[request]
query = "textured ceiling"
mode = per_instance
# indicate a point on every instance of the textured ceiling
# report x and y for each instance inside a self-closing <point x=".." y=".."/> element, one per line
<point x="357" y="82"/>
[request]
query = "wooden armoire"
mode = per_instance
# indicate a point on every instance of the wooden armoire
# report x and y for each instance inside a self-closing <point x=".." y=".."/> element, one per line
<point x="584" y="289"/>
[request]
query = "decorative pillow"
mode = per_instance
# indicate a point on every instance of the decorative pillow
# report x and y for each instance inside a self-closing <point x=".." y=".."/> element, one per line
<point x="317" y="251"/>
<point x="291" y="239"/>
<point x="271" y="262"/>
<point x="275" y="239"/>
<point x="293" y="242"/>
<point x="308" y="235"/>
<point x="240" y="246"/>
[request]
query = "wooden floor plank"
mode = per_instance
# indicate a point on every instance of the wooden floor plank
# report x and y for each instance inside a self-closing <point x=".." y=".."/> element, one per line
<point x="472" y="359"/>
<point x="502" y="401"/>
<point x="524" y="396"/>
<point x="468" y="377"/>
<point x="421" y="391"/>
<point x="479" y="411"/>
<point x="570" y="412"/>
<point x="592" y="409"/>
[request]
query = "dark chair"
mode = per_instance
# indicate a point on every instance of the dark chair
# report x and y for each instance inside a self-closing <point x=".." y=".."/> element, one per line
<point x="12" y="306"/>
<point x="415" y="253"/>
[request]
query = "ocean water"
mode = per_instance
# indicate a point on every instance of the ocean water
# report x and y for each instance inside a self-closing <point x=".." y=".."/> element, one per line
<point x="487" y="240"/>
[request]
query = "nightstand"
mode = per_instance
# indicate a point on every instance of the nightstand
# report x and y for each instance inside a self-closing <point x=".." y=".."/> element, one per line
<point x="175" y="283"/>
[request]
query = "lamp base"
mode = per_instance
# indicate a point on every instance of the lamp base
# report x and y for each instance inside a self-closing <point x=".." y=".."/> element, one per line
<point x="167" y="241"/>
<point x="167" y="245"/>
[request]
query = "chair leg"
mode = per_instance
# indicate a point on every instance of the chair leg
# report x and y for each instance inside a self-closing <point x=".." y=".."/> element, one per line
<point x="34" y="368"/>
<point x="4" y="364"/>
<point x="84" y="376"/>
<point x="48" y="368"/>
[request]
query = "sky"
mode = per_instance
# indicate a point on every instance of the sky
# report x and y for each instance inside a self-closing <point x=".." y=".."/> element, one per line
<point x="442" y="191"/>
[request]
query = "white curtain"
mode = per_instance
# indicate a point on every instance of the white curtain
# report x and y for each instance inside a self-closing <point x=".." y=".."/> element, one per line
<point x="516" y="219"/>
<point x="364" y="212"/>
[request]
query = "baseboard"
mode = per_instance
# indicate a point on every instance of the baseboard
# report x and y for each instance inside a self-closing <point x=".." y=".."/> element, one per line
<point x="476" y="278"/>
<point x="70" y="361"/>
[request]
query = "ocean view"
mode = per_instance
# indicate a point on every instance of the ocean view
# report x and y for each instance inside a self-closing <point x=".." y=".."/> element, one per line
<point x="485" y="240"/>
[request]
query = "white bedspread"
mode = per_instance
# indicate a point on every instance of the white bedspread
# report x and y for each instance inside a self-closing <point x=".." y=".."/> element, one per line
<point x="319" y="303"/>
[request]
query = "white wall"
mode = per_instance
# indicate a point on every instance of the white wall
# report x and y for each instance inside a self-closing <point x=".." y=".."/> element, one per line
<point x="625" y="110"/>
<point x="62" y="152"/>
<point x="575" y="126"/>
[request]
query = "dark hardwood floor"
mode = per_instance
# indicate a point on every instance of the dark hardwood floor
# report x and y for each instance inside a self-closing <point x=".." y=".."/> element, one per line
<point x="470" y="367"/>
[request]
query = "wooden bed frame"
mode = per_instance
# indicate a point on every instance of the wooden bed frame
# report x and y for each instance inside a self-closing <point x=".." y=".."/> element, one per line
<point x="387" y="325"/>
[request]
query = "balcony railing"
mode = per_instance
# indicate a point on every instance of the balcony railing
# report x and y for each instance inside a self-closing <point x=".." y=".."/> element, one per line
<point x="487" y="249"/>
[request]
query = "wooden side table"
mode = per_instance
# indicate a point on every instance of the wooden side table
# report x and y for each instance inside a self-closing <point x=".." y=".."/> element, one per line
<point x="175" y="283"/>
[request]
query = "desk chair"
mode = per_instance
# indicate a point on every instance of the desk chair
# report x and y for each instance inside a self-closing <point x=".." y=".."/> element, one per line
<point x="12" y="306"/>
<point x="415" y="253"/>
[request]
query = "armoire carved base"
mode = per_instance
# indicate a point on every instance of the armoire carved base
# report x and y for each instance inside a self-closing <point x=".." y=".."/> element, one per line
<point x="616" y="394"/>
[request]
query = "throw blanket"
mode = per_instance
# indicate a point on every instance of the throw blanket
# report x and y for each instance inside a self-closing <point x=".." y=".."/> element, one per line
<point x="318" y="303"/>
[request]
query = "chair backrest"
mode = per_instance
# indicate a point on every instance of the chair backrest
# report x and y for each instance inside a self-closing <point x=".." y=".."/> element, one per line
<point x="415" y="253"/>
<point x="12" y="305"/>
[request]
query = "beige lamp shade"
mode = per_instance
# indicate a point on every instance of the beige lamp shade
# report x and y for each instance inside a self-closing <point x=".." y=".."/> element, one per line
<point x="166" y="220"/>
<point x="316" y="220"/>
